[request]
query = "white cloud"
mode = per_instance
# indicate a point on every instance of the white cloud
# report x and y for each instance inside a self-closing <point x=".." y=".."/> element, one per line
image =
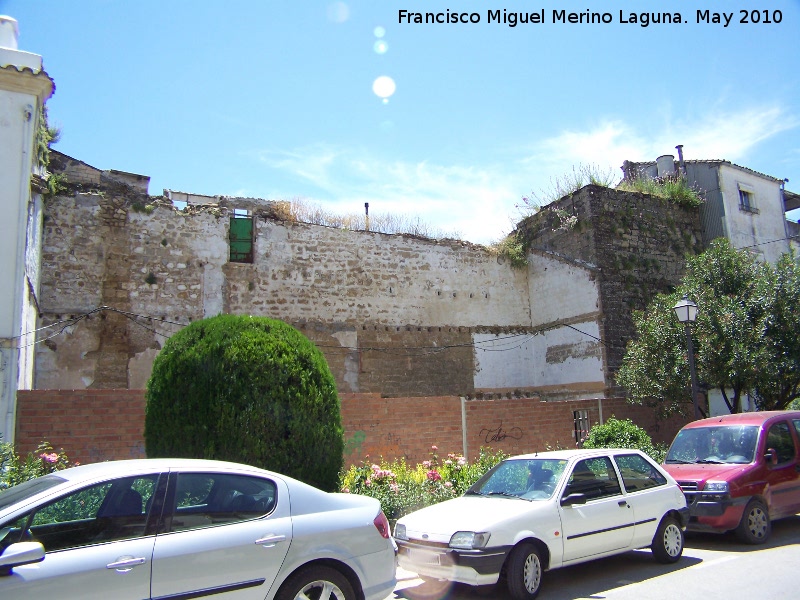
<point x="479" y="201"/>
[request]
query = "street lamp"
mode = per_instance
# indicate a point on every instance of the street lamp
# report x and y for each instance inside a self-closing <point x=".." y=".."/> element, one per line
<point x="686" y="311"/>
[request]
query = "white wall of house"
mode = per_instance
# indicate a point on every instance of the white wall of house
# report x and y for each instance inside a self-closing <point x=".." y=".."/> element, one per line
<point x="761" y="226"/>
<point x="23" y="89"/>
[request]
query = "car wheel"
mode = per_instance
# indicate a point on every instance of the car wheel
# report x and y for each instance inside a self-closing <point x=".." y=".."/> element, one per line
<point x="755" y="526"/>
<point x="319" y="583"/>
<point x="524" y="572"/>
<point x="667" y="545"/>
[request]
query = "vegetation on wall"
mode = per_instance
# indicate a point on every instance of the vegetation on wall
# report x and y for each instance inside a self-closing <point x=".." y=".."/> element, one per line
<point x="45" y="137"/>
<point x="297" y="210"/>
<point x="565" y="186"/>
<point x="745" y="337"/>
<point x="246" y="389"/>
<point x="674" y="189"/>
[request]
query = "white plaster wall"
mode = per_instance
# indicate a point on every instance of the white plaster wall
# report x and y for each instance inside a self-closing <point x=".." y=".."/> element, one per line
<point x="750" y="230"/>
<point x="574" y="359"/>
<point x="560" y="290"/>
<point x="16" y="141"/>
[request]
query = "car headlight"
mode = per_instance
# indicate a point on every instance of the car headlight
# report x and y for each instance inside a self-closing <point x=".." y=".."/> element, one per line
<point x="469" y="540"/>
<point x="400" y="532"/>
<point x="716" y="487"/>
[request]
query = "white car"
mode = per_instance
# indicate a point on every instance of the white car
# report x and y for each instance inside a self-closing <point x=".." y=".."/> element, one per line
<point x="183" y="528"/>
<point x="537" y="512"/>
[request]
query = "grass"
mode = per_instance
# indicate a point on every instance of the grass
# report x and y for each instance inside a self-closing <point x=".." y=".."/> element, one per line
<point x="674" y="189"/>
<point x="298" y="210"/>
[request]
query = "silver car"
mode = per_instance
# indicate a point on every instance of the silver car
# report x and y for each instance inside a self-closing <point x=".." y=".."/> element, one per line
<point x="181" y="528"/>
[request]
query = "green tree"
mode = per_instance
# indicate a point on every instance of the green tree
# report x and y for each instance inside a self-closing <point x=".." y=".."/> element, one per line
<point x="246" y="389"/>
<point x="745" y="337"/>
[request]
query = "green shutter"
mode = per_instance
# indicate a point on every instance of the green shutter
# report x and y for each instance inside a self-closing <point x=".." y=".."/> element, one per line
<point x="241" y="239"/>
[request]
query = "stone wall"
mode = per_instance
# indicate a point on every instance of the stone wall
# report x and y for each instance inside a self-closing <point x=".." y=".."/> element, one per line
<point x="98" y="425"/>
<point x="637" y="245"/>
<point x="396" y="315"/>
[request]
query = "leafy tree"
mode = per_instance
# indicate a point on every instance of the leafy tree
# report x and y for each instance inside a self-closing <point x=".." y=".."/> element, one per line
<point x="745" y="338"/>
<point x="246" y="389"/>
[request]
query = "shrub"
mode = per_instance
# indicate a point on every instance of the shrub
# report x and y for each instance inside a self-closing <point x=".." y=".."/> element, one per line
<point x="402" y="488"/>
<point x="616" y="433"/>
<point x="246" y="389"/>
<point x="15" y="469"/>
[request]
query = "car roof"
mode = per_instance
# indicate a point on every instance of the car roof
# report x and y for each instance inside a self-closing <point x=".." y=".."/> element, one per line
<point x="573" y="454"/>
<point x="746" y="418"/>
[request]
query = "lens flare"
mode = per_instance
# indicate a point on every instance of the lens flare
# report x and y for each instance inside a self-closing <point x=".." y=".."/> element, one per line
<point x="338" y="12"/>
<point x="381" y="47"/>
<point x="383" y="87"/>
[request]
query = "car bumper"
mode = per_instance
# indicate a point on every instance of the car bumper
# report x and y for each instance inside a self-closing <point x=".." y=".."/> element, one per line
<point x="378" y="574"/>
<point x="473" y="567"/>
<point x="716" y="515"/>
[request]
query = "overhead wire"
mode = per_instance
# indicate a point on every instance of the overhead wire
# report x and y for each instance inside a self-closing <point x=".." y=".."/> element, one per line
<point x="502" y="343"/>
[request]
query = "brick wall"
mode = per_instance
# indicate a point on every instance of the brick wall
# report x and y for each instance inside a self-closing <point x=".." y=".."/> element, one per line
<point x="95" y="425"/>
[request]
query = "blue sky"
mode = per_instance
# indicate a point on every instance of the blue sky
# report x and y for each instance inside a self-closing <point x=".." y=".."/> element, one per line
<point x="274" y="98"/>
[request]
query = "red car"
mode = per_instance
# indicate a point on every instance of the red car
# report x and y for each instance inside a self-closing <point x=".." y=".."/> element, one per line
<point x="739" y="472"/>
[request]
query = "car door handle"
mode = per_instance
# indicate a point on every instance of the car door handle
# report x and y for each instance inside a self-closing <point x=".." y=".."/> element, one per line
<point x="270" y="540"/>
<point x="623" y="503"/>
<point x="125" y="563"/>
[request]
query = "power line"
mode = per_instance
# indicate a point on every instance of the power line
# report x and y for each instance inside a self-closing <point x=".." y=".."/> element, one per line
<point x="513" y="341"/>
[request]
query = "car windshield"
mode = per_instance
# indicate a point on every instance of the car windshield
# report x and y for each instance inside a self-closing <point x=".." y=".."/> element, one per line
<point x="724" y="444"/>
<point x="27" y="489"/>
<point x="529" y="479"/>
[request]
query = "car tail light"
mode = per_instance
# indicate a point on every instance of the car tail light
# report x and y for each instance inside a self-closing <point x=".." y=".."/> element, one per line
<point x="382" y="525"/>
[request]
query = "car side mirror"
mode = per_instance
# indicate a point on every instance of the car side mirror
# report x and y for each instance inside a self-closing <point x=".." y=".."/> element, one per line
<point x="771" y="456"/>
<point x="573" y="499"/>
<point x="21" y="553"/>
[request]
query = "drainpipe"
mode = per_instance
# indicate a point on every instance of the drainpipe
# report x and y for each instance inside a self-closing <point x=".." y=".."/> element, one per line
<point x="783" y="206"/>
<point x="464" y="426"/>
<point x="366" y="215"/>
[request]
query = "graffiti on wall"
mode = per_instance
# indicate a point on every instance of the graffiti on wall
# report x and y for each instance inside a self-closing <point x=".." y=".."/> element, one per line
<point x="498" y="434"/>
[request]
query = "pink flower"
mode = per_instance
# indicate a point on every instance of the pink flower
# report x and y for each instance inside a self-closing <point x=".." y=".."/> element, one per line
<point x="368" y="482"/>
<point x="433" y="475"/>
<point x="394" y="487"/>
<point x="426" y="464"/>
<point x="51" y="458"/>
<point x="448" y="484"/>
<point x="435" y="448"/>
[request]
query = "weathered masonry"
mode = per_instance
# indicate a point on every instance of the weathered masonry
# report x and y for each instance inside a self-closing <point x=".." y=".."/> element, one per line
<point x="395" y="315"/>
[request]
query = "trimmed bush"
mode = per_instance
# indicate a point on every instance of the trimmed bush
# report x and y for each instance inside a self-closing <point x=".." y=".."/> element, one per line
<point x="616" y="433"/>
<point x="246" y="389"/>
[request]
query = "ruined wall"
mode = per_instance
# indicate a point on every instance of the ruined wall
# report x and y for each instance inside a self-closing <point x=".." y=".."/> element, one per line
<point x="98" y="425"/>
<point x="394" y="314"/>
<point x="637" y="246"/>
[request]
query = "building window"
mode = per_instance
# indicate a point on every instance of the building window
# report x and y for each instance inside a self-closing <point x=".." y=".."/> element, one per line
<point x="746" y="200"/>
<point x="581" y="424"/>
<point x="241" y="237"/>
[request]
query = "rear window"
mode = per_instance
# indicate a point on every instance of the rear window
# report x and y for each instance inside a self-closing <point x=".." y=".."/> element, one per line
<point x="28" y="489"/>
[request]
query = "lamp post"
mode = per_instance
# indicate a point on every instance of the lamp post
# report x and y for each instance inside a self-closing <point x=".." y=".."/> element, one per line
<point x="686" y="311"/>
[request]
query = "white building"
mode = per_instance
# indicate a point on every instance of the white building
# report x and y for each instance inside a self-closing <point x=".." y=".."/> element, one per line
<point x="746" y="207"/>
<point x="24" y="87"/>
